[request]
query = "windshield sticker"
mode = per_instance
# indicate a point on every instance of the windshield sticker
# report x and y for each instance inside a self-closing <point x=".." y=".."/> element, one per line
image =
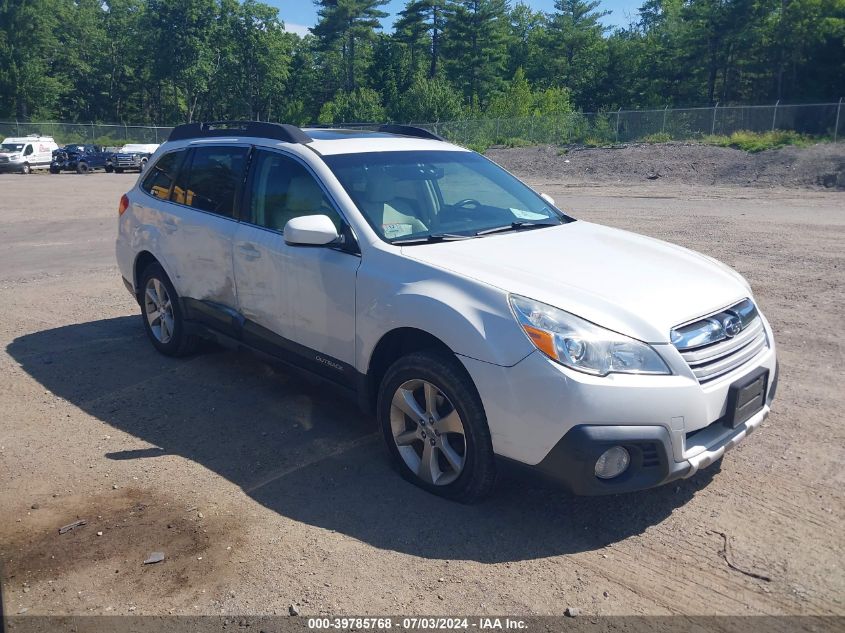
<point x="392" y="231"/>
<point x="527" y="215"/>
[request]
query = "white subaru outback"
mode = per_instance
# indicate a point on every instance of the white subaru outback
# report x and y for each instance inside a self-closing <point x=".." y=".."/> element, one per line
<point x="479" y="323"/>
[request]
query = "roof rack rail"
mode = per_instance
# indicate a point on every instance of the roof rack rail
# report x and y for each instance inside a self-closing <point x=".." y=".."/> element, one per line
<point x="409" y="130"/>
<point x="259" y="129"/>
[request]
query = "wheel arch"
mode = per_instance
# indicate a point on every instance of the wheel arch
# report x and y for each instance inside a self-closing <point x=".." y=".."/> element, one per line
<point x="142" y="260"/>
<point x="393" y="345"/>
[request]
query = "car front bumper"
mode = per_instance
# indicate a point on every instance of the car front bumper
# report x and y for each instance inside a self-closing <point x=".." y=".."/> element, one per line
<point x="572" y="461"/>
<point x="557" y="422"/>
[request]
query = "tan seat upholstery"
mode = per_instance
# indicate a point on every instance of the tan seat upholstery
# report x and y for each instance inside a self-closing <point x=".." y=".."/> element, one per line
<point x="304" y="197"/>
<point x="383" y="207"/>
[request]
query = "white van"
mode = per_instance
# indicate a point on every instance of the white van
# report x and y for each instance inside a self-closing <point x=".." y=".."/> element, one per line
<point x="25" y="153"/>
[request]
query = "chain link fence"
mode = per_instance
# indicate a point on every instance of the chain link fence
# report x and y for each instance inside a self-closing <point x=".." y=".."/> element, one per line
<point x="819" y="120"/>
<point x="108" y="135"/>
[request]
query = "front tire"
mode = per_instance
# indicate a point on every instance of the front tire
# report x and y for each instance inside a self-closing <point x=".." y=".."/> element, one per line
<point x="109" y="168"/>
<point x="26" y="169"/>
<point x="161" y="311"/>
<point x="435" y="428"/>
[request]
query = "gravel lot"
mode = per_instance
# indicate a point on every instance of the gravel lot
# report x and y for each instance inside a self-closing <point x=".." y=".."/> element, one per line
<point x="264" y="491"/>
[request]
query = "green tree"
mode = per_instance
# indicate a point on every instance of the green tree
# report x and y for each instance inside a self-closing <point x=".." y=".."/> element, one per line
<point x="575" y="47"/>
<point x="347" y="23"/>
<point x="28" y="86"/>
<point x="421" y="23"/>
<point x="527" y="31"/>
<point x="476" y="34"/>
<point x="181" y="34"/>
<point x="362" y="105"/>
<point x="430" y="100"/>
<point x="124" y="63"/>
<point x="711" y="33"/>
<point x="264" y="51"/>
<point x="519" y="100"/>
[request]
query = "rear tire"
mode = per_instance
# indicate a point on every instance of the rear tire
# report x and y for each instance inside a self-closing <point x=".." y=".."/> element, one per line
<point x="82" y="168"/>
<point x="54" y="170"/>
<point x="162" y="315"/>
<point x="435" y="428"/>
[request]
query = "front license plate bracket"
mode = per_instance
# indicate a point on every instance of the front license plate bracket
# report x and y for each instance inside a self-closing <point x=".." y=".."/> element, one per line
<point x="746" y="397"/>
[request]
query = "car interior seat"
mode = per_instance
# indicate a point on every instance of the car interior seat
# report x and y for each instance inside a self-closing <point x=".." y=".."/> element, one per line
<point x="383" y="206"/>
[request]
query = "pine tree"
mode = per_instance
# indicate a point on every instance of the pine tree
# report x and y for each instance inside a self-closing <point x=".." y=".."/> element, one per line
<point x="476" y="40"/>
<point x="346" y="23"/>
<point x="422" y="22"/>
<point x="576" y="47"/>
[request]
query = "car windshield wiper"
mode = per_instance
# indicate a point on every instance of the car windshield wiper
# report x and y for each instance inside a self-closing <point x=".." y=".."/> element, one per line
<point x="516" y="226"/>
<point x="433" y="238"/>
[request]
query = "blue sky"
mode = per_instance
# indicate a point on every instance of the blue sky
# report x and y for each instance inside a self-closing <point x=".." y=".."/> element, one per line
<point x="300" y="14"/>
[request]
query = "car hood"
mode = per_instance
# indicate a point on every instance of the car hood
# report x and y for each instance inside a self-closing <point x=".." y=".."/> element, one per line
<point x="629" y="283"/>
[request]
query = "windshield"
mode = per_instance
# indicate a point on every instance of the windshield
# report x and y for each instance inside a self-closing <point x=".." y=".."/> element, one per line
<point x="11" y="147"/>
<point x="408" y="195"/>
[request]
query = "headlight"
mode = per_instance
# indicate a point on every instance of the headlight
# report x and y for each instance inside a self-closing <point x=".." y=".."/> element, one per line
<point x="581" y="345"/>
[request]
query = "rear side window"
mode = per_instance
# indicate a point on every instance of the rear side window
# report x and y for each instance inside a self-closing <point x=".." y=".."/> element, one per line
<point x="162" y="174"/>
<point x="214" y="179"/>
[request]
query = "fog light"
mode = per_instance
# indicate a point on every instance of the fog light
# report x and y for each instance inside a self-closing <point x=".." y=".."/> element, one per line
<point x="612" y="462"/>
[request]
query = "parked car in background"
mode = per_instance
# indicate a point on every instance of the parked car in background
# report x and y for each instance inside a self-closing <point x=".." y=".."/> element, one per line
<point x="133" y="156"/>
<point x="25" y="153"/>
<point x="81" y="158"/>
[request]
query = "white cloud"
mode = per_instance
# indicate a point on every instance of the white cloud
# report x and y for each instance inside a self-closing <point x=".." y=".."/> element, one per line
<point x="299" y="29"/>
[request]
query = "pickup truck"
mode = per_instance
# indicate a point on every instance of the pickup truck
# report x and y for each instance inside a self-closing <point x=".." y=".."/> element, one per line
<point x="133" y="156"/>
<point x="81" y="158"/>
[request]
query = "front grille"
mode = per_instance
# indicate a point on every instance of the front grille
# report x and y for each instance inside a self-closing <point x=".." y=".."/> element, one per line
<point x="126" y="160"/>
<point x="717" y="344"/>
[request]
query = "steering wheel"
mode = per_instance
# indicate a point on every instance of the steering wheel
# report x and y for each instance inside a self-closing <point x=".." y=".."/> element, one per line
<point x="468" y="202"/>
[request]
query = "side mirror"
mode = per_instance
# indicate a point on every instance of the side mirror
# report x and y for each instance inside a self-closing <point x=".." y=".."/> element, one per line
<point x="310" y="230"/>
<point x="548" y="198"/>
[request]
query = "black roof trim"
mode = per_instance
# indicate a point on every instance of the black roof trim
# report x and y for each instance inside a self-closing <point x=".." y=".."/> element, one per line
<point x="258" y="129"/>
<point x="409" y="130"/>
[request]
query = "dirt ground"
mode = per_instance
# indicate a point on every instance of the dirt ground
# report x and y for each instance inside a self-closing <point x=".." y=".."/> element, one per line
<point x="265" y="491"/>
<point x="820" y="166"/>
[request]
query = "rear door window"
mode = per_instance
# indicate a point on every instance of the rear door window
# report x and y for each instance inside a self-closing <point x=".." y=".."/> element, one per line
<point x="161" y="176"/>
<point x="214" y="180"/>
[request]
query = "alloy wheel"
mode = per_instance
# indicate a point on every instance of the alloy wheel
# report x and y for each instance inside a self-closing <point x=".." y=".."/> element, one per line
<point x="428" y="432"/>
<point x="158" y="309"/>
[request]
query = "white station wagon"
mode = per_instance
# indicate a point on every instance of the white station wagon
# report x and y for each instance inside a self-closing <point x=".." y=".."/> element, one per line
<point x="482" y="325"/>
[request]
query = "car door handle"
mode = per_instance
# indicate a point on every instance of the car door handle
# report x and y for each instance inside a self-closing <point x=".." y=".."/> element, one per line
<point x="170" y="226"/>
<point x="249" y="251"/>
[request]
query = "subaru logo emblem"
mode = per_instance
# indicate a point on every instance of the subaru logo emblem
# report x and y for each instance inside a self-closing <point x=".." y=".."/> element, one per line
<point x="732" y="325"/>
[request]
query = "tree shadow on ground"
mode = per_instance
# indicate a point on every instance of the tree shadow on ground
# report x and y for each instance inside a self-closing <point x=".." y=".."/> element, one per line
<point x="304" y="452"/>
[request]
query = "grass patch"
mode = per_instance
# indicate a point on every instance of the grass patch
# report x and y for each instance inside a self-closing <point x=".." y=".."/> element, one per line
<point x="659" y="137"/>
<point x="759" y="141"/>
